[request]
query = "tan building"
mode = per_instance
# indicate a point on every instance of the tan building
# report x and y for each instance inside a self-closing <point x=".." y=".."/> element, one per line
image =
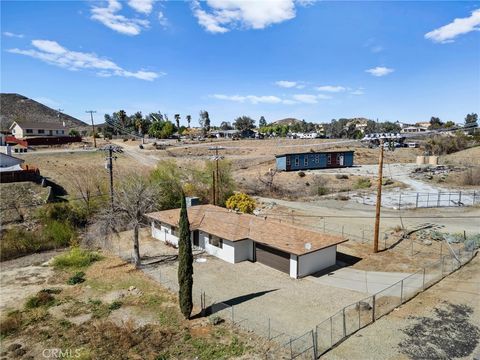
<point x="23" y="129"/>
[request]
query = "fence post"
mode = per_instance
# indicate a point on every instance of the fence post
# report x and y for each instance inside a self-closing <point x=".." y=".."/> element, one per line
<point x="399" y="201"/>
<point x="438" y="199"/>
<point x="416" y="202"/>
<point x="401" y="292"/>
<point x="331" y="332"/>
<point x="291" y="349"/>
<point x="314" y="343"/>
<point x="344" y="324"/>
<point x="269" y="330"/>
<point x="359" y="321"/>
<point x="423" y="287"/>
<point x="459" y="198"/>
<point x="428" y="198"/>
<point x="373" y="309"/>
<point x="473" y="200"/>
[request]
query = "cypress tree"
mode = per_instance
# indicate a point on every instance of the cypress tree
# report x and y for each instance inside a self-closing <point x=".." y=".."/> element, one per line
<point x="185" y="263"/>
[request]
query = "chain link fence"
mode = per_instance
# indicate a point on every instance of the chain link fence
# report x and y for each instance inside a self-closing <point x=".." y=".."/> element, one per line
<point x="355" y="316"/>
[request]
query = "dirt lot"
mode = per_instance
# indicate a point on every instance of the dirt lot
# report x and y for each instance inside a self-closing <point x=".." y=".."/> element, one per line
<point x="441" y="323"/>
<point x="117" y="313"/>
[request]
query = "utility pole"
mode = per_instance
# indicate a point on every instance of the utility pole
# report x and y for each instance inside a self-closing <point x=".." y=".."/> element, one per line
<point x="216" y="178"/>
<point x="109" y="166"/>
<point x="93" y="126"/>
<point x="213" y="188"/>
<point x="379" y="199"/>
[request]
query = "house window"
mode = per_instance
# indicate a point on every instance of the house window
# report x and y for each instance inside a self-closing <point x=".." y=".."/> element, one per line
<point x="329" y="159"/>
<point x="305" y="160"/>
<point x="215" y="241"/>
<point x="317" y="158"/>
<point x="174" y="231"/>
<point x="297" y="161"/>
<point x="63" y="132"/>
<point x="288" y="160"/>
<point x="29" y="131"/>
<point x="41" y="131"/>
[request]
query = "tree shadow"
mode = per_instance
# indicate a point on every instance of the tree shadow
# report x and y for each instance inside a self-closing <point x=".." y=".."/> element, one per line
<point x="221" y="305"/>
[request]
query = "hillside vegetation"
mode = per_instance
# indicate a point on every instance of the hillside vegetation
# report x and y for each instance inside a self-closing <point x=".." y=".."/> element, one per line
<point x="18" y="107"/>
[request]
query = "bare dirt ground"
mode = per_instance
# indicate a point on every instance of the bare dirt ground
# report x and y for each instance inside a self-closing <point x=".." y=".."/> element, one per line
<point x="117" y="313"/>
<point x="441" y="323"/>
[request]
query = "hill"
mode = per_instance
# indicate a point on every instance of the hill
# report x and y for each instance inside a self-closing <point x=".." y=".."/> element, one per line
<point x="15" y="106"/>
<point x="287" y="121"/>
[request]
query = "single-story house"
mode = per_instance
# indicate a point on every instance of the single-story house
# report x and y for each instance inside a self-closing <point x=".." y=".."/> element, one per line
<point x="23" y="129"/>
<point x="314" y="160"/>
<point x="236" y="237"/>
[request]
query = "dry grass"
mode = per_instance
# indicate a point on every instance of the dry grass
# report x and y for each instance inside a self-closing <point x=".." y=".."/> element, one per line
<point x="144" y="324"/>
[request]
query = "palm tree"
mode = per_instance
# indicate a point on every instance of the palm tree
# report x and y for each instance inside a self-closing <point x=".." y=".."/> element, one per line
<point x="189" y="118"/>
<point x="177" y="120"/>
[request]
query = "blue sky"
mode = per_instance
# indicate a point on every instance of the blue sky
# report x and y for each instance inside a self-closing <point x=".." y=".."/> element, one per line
<point x="316" y="61"/>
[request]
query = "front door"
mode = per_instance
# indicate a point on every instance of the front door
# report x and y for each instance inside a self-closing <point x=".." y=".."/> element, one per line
<point x="196" y="241"/>
<point x="340" y="160"/>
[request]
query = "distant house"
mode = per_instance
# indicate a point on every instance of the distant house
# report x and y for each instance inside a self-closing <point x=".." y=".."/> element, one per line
<point x="21" y="129"/>
<point x="236" y="237"/>
<point x="314" y="160"/>
<point x="229" y="134"/>
<point x="414" y="129"/>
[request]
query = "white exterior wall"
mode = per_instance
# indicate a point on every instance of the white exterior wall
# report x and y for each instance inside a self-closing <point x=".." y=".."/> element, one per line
<point x="316" y="261"/>
<point x="164" y="233"/>
<point x="293" y="266"/>
<point x="226" y="253"/>
<point x="19" y="133"/>
<point x="243" y="250"/>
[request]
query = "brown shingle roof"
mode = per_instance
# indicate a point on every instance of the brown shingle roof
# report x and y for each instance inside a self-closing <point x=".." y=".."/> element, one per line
<point x="233" y="226"/>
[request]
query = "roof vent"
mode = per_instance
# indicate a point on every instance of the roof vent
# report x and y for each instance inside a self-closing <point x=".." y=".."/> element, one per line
<point x="308" y="246"/>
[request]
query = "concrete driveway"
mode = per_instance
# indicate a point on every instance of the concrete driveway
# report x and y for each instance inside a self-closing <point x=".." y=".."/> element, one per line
<point x="369" y="282"/>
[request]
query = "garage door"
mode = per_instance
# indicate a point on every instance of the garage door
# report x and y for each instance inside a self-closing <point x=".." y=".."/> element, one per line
<point x="272" y="257"/>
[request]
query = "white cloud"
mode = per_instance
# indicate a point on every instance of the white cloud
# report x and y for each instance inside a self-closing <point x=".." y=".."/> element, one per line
<point x="330" y="88"/>
<point x="141" y="6"/>
<point x="269" y="99"/>
<point x="305" y="98"/>
<point x="380" y="71"/>
<point x="10" y="34"/>
<point x="108" y="16"/>
<point x="53" y="53"/>
<point x="357" y="92"/>
<point x="286" y="83"/>
<point x="223" y="15"/>
<point x="323" y="97"/>
<point x="459" y="26"/>
<point x="162" y="19"/>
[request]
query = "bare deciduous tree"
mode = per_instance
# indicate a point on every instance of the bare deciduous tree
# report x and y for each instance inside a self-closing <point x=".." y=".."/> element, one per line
<point x="134" y="197"/>
<point x="268" y="178"/>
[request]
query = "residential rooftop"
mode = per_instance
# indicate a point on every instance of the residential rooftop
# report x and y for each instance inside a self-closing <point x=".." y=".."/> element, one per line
<point x="234" y="226"/>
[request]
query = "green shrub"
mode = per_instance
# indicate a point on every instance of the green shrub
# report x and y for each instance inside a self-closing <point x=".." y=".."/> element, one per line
<point x="61" y="233"/>
<point x="387" y="181"/>
<point x="341" y="176"/>
<point x="362" y="183"/>
<point x="64" y="212"/>
<point x="78" y="278"/>
<point x="301" y="174"/>
<point x="76" y="258"/>
<point x="115" y="305"/>
<point x="322" y="190"/>
<point x="43" y="298"/>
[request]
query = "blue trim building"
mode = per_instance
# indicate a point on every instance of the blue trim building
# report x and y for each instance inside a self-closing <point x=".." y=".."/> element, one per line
<point x="314" y="160"/>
